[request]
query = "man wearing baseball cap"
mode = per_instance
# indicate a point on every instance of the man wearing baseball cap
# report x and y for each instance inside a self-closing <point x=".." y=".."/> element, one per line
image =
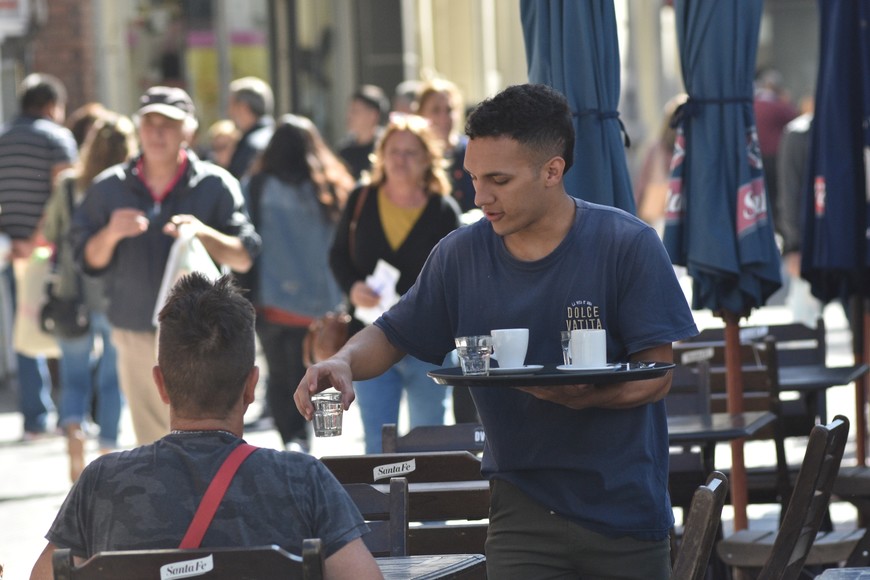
<point x="126" y="226"/>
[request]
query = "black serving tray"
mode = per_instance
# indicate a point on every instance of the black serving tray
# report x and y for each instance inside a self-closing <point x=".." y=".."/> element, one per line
<point x="550" y="376"/>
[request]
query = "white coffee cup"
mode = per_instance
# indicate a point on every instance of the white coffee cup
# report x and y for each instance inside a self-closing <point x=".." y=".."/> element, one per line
<point x="588" y="348"/>
<point x="509" y="346"/>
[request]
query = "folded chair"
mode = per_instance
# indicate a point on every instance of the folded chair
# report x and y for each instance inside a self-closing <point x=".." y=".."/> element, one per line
<point x="700" y="530"/>
<point x="782" y="555"/>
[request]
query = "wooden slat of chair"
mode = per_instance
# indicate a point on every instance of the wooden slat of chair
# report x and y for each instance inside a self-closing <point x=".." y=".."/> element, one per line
<point x="702" y="525"/>
<point x="451" y="538"/>
<point x="416" y="466"/>
<point x="386" y="515"/>
<point x="242" y="563"/>
<point x="783" y="555"/>
<point x="452" y="516"/>
<point x="459" y="437"/>
<point x="457" y="500"/>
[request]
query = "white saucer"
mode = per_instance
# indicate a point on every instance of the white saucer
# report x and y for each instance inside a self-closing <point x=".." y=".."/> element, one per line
<point x="514" y="370"/>
<point x="571" y="368"/>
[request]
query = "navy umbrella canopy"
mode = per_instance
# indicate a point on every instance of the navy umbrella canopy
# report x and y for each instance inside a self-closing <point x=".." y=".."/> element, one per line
<point x="835" y="255"/>
<point x="718" y="223"/>
<point x="836" y="245"/>
<point x="572" y="46"/>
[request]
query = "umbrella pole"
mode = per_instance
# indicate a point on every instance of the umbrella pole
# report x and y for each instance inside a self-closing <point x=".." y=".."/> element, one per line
<point x="734" y="387"/>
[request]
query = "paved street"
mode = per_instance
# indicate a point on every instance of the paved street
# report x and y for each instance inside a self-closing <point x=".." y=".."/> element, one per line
<point x="34" y="478"/>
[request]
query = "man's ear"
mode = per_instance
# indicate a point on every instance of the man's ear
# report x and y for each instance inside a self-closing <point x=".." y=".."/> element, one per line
<point x="157" y="375"/>
<point x="554" y="170"/>
<point x="251" y="385"/>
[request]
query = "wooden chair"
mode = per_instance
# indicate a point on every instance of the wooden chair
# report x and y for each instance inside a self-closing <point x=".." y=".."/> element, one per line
<point x="386" y="515"/>
<point x="760" y="371"/>
<point x="689" y="395"/>
<point x="782" y="555"/>
<point x="236" y="563"/>
<point x="700" y="531"/>
<point x="415" y="466"/>
<point x="796" y="345"/>
<point x="465" y="503"/>
<point x="459" y="437"/>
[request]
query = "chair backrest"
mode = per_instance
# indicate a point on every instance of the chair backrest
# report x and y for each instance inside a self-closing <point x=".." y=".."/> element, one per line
<point x="760" y="373"/>
<point x="465" y="501"/>
<point x="459" y="437"/>
<point x="760" y="381"/>
<point x="797" y="344"/>
<point x="809" y="501"/>
<point x="242" y="563"/>
<point x="690" y="389"/>
<point x="416" y="467"/>
<point x="689" y="395"/>
<point x="386" y="515"/>
<point x="699" y="533"/>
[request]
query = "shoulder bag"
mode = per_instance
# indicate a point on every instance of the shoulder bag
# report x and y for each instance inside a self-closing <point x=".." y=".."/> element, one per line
<point x="65" y="317"/>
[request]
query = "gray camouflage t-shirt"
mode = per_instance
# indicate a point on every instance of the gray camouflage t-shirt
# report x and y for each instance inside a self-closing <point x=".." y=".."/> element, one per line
<point x="145" y="498"/>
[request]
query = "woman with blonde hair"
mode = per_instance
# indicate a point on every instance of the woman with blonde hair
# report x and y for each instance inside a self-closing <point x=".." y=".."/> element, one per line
<point x="396" y="218"/>
<point x="111" y="140"/>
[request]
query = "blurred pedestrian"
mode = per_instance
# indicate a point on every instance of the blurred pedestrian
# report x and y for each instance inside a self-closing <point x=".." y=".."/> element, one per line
<point x="126" y="226"/>
<point x="440" y="101"/>
<point x="773" y="111"/>
<point x="84" y="368"/>
<point x="223" y="138"/>
<point x="295" y="196"/>
<point x="405" y="95"/>
<point x="404" y="211"/>
<point x="251" y="106"/>
<point x="79" y="122"/>
<point x="366" y="111"/>
<point x="653" y="180"/>
<point x="34" y="149"/>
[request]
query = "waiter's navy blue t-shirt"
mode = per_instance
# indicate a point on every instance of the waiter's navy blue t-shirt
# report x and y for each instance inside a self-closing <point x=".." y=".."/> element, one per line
<point x="606" y="469"/>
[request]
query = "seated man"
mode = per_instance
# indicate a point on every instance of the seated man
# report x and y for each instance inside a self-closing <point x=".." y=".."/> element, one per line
<point x="145" y="498"/>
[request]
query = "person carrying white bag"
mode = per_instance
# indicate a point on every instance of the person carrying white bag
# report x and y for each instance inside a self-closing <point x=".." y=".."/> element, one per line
<point x="126" y="228"/>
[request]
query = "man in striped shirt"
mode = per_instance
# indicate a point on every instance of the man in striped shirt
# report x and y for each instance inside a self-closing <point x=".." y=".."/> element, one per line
<point x="34" y="148"/>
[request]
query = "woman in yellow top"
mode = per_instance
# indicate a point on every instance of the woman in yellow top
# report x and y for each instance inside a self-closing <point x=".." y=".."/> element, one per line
<point x="398" y="217"/>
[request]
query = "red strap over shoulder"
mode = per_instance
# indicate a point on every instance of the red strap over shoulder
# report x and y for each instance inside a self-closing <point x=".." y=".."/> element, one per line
<point x="214" y="495"/>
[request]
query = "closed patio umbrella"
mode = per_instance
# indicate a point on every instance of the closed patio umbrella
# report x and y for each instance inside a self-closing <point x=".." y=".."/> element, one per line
<point x="572" y="46"/>
<point x="718" y="225"/>
<point x="836" y="244"/>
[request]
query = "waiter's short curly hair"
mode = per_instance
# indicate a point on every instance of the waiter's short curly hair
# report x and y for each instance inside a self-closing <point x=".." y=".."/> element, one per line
<point x="205" y="345"/>
<point x="536" y="116"/>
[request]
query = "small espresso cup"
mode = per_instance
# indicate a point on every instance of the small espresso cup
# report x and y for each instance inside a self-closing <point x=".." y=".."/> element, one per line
<point x="509" y="346"/>
<point x="473" y="352"/>
<point x="327" y="414"/>
<point x="588" y="348"/>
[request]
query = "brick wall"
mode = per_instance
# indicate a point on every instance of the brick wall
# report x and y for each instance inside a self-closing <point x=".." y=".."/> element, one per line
<point x="64" y="46"/>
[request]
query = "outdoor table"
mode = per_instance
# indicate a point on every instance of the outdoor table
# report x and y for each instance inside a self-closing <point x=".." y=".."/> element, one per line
<point x="807" y="378"/>
<point x="708" y="429"/>
<point x="716" y="427"/>
<point x="464" y="566"/>
<point x="845" y="574"/>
